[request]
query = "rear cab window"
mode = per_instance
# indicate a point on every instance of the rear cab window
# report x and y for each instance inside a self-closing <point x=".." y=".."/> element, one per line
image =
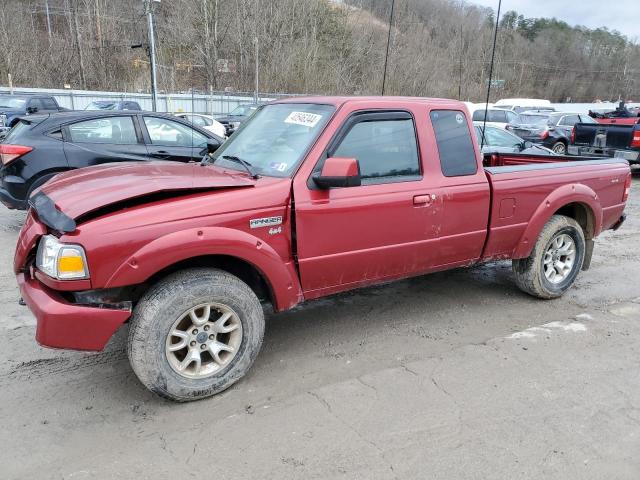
<point x="455" y="146"/>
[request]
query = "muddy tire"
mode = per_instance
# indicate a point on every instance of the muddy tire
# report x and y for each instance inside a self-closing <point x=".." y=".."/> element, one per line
<point x="195" y="333"/>
<point x="555" y="260"/>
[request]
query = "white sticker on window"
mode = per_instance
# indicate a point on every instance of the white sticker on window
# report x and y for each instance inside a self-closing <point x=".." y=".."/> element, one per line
<point x="459" y="118"/>
<point x="303" y="118"/>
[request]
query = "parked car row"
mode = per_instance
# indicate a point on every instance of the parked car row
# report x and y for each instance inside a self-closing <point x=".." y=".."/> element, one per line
<point x="40" y="146"/>
<point x="41" y="139"/>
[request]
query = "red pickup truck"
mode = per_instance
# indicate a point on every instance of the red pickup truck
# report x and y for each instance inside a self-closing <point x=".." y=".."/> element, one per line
<point x="310" y="197"/>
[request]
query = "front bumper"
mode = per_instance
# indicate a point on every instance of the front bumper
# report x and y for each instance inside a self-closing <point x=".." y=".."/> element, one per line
<point x="64" y="325"/>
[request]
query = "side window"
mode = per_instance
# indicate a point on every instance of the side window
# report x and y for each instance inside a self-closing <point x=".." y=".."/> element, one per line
<point x="569" y="120"/>
<point x="116" y="130"/>
<point x="587" y="119"/>
<point x="497" y="116"/>
<point x="196" y="120"/>
<point x="57" y="134"/>
<point x="49" y="104"/>
<point x="511" y="117"/>
<point x="457" y="156"/>
<point x="163" y="131"/>
<point x="386" y="150"/>
<point x="35" y="103"/>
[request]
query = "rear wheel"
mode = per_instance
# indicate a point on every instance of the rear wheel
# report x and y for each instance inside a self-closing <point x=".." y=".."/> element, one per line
<point x="555" y="260"/>
<point x="560" y="148"/>
<point x="195" y="333"/>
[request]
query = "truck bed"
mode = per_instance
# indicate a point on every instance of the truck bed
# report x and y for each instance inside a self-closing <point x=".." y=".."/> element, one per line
<point x="521" y="183"/>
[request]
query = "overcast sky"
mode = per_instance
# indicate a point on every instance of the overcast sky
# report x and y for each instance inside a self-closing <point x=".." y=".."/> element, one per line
<point x="621" y="15"/>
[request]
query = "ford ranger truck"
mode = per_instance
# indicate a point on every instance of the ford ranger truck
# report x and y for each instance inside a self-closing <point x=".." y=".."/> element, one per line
<point x="310" y="197"/>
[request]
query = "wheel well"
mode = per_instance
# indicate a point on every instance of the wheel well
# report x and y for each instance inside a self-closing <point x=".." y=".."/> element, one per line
<point x="245" y="271"/>
<point x="46" y="173"/>
<point x="582" y="214"/>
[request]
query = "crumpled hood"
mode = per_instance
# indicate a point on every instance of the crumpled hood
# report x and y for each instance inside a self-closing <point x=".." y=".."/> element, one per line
<point x="78" y="192"/>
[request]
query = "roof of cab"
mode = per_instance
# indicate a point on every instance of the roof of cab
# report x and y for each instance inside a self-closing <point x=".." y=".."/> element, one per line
<point x="340" y="101"/>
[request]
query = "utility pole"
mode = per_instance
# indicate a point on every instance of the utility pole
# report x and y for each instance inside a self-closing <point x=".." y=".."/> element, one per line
<point x="461" y="50"/>
<point x="46" y="8"/>
<point x="77" y="35"/>
<point x="386" y="57"/>
<point x="255" y="40"/>
<point x="493" y="54"/>
<point x="152" y="53"/>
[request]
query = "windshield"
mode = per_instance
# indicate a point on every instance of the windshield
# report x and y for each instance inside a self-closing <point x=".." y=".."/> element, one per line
<point x="276" y="138"/>
<point x="242" y="111"/>
<point x="101" y="106"/>
<point x="534" y="119"/>
<point x="9" y="102"/>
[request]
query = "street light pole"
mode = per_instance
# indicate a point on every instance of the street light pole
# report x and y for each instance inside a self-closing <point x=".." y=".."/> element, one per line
<point x="255" y="39"/>
<point x="152" y="54"/>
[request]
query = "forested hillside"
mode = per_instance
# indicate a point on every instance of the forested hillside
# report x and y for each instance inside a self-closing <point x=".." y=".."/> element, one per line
<point x="438" y="48"/>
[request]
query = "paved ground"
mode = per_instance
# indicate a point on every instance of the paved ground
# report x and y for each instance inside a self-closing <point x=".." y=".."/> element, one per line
<point x="456" y="375"/>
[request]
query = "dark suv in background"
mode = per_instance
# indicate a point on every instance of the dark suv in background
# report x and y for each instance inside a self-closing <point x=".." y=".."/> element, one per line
<point x="41" y="146"/>
<point x="549" y="129"/>
<point x="238" y="115"/>
<point x="14" y="106"/>
<point x="113" y="105"/>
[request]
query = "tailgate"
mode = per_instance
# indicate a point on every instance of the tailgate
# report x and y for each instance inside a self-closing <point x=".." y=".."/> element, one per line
<point x="611" y="136"/>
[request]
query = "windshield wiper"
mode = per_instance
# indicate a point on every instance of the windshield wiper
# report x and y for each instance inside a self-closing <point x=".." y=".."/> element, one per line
<point x="248" y="167"/>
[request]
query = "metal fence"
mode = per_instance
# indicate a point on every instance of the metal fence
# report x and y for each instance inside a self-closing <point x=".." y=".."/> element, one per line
<point x="214" y="103"/>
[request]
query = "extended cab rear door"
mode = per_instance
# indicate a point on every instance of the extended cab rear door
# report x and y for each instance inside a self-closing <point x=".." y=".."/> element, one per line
<point x="387" y="227"/>
<point x="459" y="181"/>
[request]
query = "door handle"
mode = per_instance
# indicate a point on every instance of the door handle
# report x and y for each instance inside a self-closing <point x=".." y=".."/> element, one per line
<point x="424" y="199"/>
<point x="161" y="154"/>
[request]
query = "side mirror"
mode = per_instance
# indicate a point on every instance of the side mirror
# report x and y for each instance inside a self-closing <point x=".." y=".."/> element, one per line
<point x="212" y="145"/>
<point x="338" y="172"/>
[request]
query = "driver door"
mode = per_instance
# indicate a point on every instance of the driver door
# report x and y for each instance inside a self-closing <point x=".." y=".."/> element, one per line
<point x="385" y="228"/>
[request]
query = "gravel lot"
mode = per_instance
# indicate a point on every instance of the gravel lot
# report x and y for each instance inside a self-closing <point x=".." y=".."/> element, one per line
<point x="456" y="375"/>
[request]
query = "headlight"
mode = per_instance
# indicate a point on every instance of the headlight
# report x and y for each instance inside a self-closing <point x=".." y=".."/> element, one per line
<point x="61" y="260"/>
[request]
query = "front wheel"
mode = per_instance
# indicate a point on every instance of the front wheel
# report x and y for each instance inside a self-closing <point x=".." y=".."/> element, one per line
<point x="555" y="260"/>
<point x="195" y="333"/>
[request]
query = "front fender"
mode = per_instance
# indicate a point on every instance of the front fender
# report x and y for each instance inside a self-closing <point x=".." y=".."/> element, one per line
<point x="560" y="197"/>
<point x="178" y="246"/>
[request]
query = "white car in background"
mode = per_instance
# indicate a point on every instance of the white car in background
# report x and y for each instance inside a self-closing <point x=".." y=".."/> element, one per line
<point x="497" y="117"/>
<point x="518" y="105"/>
<point x="204" y="121"/>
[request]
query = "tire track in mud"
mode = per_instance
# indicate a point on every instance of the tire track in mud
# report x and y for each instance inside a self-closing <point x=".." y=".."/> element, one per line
<point x="46" y="367"/>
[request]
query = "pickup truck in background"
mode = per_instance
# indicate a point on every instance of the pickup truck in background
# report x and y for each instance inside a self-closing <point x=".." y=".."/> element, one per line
<point x="311" y="197"/>
<point x="607" y="140"/>
<point x="14" y="106"/>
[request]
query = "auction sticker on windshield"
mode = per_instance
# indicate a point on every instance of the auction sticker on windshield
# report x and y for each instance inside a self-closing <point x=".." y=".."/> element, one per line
<point x="303" y="118"/>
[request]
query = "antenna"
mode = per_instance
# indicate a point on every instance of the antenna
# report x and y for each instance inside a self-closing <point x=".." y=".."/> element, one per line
<point x="493" y="53"/>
